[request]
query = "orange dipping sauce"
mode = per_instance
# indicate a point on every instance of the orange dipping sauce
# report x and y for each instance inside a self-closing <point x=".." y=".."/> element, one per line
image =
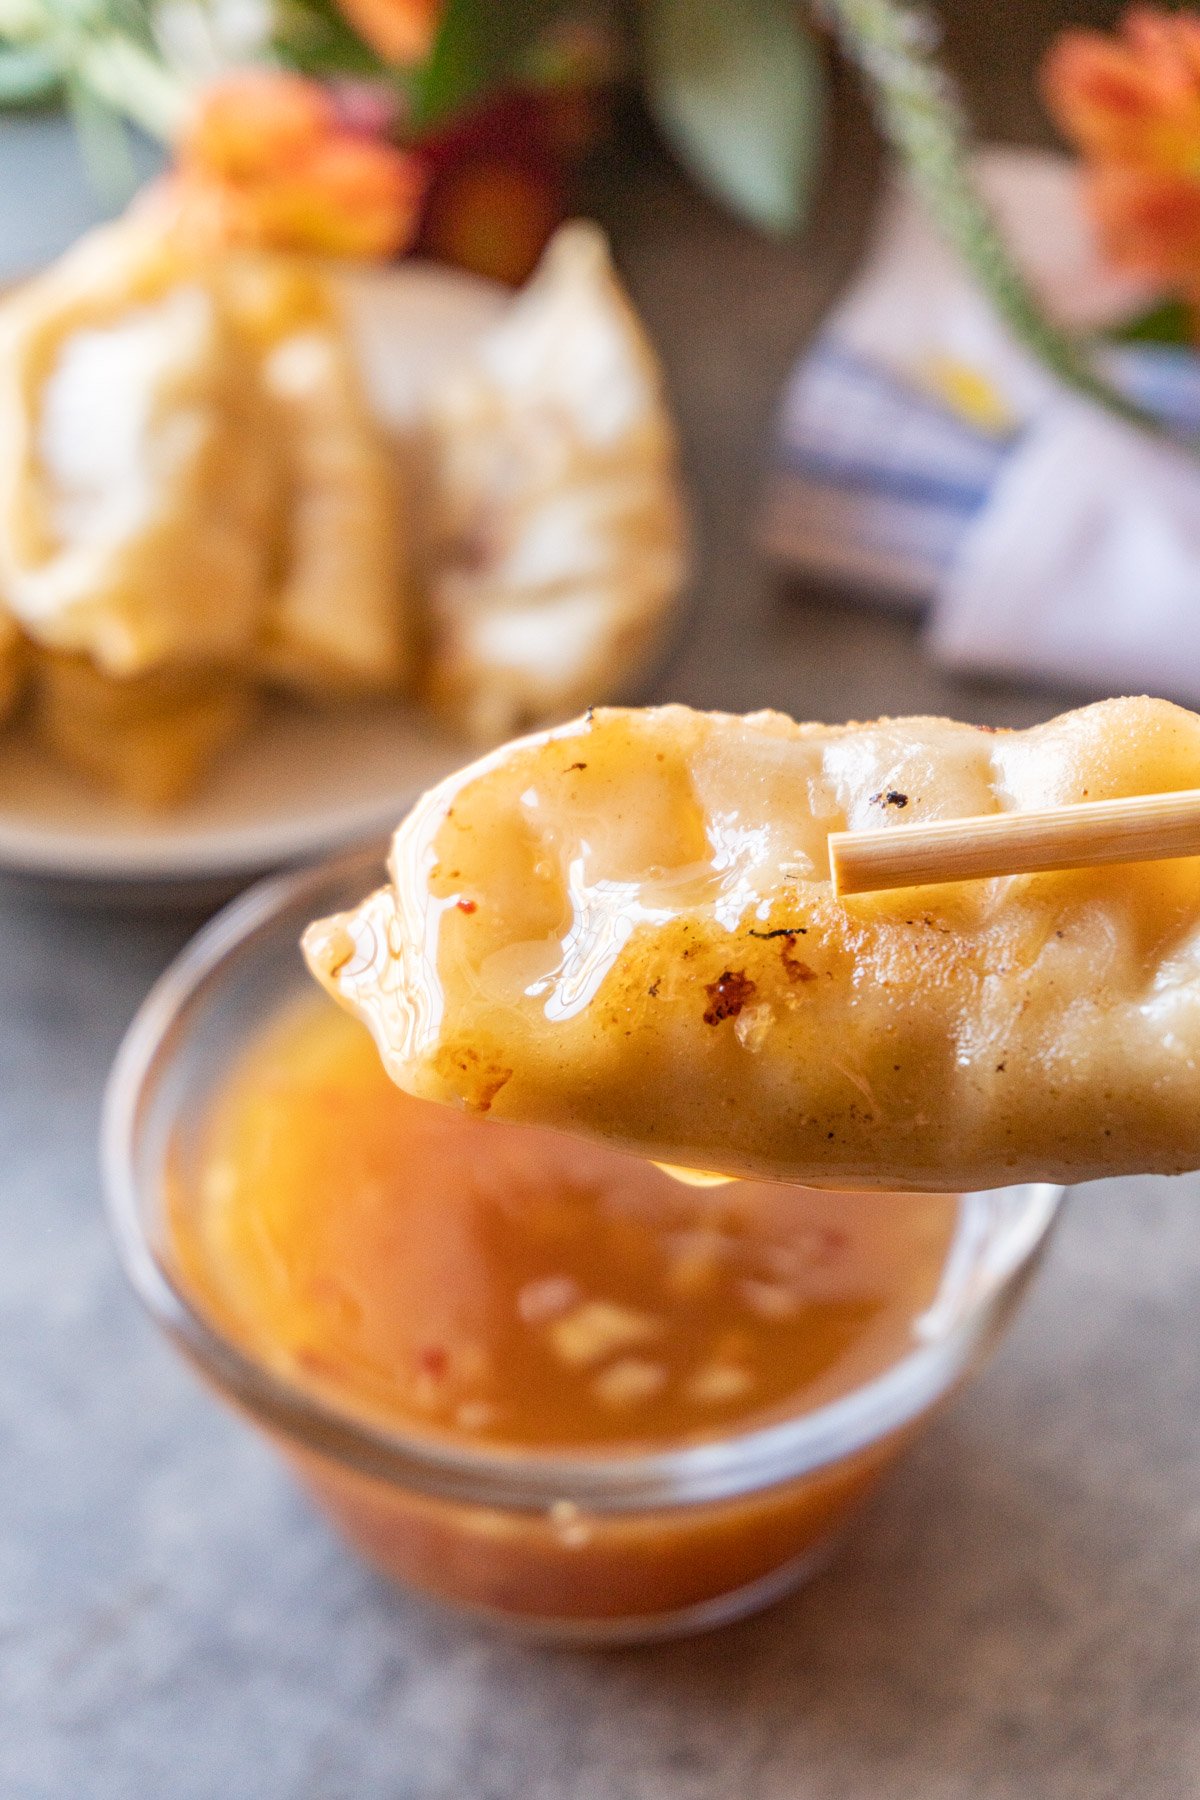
<point x="499" y="1289"/>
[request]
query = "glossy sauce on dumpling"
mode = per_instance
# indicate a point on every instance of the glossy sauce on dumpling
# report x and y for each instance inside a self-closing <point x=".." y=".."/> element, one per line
<point x="626" y="928"/>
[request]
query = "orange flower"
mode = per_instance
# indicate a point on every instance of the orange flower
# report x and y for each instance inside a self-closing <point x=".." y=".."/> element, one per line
<point x="1149" y="224"/>
<point x="251" y="123"/>
<point x="1131" y="103"/>
<point x="1132" y="98"/>
<point x="265" y="161"/>
<point x="400" y="31"/>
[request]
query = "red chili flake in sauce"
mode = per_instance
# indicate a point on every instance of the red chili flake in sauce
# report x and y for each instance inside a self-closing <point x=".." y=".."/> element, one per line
<point x="727" y="995"/>
<point x="433" y="1361"/>
<point x="467" y="906"/>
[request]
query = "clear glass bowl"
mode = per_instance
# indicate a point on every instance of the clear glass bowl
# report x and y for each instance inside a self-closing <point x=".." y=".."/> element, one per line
<point x="599" y="1548"/>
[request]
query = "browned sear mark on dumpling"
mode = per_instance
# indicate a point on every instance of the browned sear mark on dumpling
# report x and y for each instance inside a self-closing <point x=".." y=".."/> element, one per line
<point x="727" y="995"/>
<point x="481" y="1081"/>
<point x="488" y="1089"/>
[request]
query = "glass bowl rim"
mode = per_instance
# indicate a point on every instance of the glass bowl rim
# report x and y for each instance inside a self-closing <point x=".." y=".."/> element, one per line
<point x="611" y="1482"/>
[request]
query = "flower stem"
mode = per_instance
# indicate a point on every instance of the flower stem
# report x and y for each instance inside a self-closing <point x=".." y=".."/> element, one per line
<point x="894" y="44"/>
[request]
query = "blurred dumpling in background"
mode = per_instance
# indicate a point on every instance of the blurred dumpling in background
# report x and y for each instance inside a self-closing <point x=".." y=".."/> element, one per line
<point x="335" y="620"/>
<point x="411" y="326"/>
<point x="137" y="476"/>
<point x="12" y="666"/>
<point x="193" y="496"/>
<point x="337" y="614"/>
<point x="556" y="539"/>
<point x="145" y="738"/>
<point x="223" y="470"/>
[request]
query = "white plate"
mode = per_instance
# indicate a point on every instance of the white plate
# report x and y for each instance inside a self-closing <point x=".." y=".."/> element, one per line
<point x="304" y="781"/>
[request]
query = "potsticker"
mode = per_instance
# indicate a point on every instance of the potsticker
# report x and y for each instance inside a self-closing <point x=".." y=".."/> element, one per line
<point x="625" y="928"/>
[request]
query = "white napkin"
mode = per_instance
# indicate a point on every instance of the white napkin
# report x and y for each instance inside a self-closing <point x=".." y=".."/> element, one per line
<point x="925" y="458"/>
<point x="1084" y="566"/>
<point x="913" y="306"/>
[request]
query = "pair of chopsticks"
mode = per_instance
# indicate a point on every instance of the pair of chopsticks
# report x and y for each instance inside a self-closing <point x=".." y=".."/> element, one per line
<point x="1146" y="828"/>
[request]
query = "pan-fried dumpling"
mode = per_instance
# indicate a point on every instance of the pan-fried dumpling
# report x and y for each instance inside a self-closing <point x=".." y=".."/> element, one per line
<point x="626" y="928"/>
<point x="137" y="475"/>
<point x="337" y="615"/>
<point x="337" y="619"/>
<point x="147" y="738"/>
<point x="190" y="483"/>
<point x="12" y="666"/>
<point x="556" y="536"/>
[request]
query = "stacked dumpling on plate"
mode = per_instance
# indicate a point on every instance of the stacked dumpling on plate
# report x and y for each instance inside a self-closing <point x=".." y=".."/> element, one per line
<point x="556" y="533"/>
<point x="206" y="492"/>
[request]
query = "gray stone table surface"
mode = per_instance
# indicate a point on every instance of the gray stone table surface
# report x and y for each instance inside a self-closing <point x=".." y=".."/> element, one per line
<point x="1018" y="1614"/>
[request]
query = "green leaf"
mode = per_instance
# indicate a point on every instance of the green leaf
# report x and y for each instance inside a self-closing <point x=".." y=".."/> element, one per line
<point x="1167" y="322"/>
<point x="737" y="88"/>
<point x="480" y="45"/>
<point x="26" y="76"/>
<point x="458" y="64"/>
<point x="103" y="143"/>
<point x="313" y="37"/>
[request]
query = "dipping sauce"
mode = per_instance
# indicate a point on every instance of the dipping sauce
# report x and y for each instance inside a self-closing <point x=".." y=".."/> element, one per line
<point x="511" y="1290"/>
<point x="516" y="1286"/>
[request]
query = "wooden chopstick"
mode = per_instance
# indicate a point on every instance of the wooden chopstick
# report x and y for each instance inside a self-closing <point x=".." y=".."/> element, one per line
<point x="1145" y="828"/>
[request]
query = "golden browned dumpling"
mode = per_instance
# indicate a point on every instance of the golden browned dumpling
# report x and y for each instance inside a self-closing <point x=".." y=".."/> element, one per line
<point x="147" y="738"/>
<point x="626" y="928"/>
<point x="13" y="663"/>
<point x="138" y="475"/>
<point x="337" y="616"/>
<point x="193" y="498"/>
<point x="556" y="545"/>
